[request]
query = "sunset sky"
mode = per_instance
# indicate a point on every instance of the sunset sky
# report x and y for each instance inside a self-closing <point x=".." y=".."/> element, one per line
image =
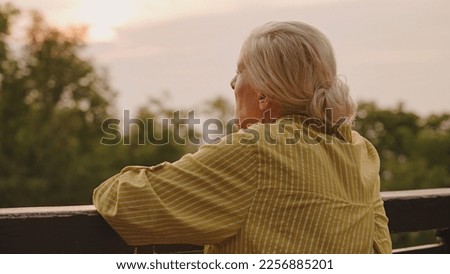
<point x="389" y="51"/>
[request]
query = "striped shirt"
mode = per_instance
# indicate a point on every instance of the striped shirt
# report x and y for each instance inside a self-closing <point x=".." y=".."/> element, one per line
<point x="273" y="188"/>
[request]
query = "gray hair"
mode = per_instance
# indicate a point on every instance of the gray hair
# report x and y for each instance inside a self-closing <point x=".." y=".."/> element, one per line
<point x="293" y="64"/>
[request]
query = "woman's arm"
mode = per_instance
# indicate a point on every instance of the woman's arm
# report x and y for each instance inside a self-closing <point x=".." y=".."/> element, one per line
<point x="201" y="199"/>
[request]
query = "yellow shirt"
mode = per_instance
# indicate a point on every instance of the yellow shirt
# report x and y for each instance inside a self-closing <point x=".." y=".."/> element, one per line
<point x="273" y="188"/>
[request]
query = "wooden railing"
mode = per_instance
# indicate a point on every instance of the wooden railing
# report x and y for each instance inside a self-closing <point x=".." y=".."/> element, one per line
<point x="80" y="229"/>
<point x="420" y="210"/>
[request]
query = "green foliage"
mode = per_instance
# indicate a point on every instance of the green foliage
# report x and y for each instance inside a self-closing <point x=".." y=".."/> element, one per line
<point x="53" y="101"/>
<point x="413" y="150"/>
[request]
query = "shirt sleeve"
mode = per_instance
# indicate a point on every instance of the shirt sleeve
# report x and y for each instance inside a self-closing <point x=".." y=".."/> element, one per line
<point x="201" y="199"/>
<point x="382" y="239"/>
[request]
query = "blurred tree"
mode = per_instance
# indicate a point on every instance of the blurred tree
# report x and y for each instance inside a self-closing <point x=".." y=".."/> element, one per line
<point x="156" y="132"/>
<point x="52" y="103"/>
<point x="414" y="151"/>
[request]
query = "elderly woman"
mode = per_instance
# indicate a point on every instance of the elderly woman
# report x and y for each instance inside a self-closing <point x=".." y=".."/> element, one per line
<point x="294" y="179"/>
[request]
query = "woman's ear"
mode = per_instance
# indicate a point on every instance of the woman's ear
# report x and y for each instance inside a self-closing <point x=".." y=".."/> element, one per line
<point x="266" y="105"/>
<point x="263" y="102"/>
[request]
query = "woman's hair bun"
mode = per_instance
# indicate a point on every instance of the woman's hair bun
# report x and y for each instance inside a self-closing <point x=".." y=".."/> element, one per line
<point x="333" y="104"/>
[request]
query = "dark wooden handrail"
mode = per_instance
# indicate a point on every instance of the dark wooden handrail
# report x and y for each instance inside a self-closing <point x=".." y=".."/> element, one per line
<point x="80" y="229"/>
<point x="417" y="210"/>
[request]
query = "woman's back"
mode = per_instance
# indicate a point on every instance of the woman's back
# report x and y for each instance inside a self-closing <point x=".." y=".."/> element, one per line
<point x="315" y="194"/>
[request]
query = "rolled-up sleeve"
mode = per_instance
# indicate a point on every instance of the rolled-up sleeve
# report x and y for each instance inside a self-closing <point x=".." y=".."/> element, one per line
<point x="201" y="199"/>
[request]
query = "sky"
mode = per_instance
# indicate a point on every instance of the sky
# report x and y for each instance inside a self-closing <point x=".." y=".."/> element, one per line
<point x="388" y="51"/>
